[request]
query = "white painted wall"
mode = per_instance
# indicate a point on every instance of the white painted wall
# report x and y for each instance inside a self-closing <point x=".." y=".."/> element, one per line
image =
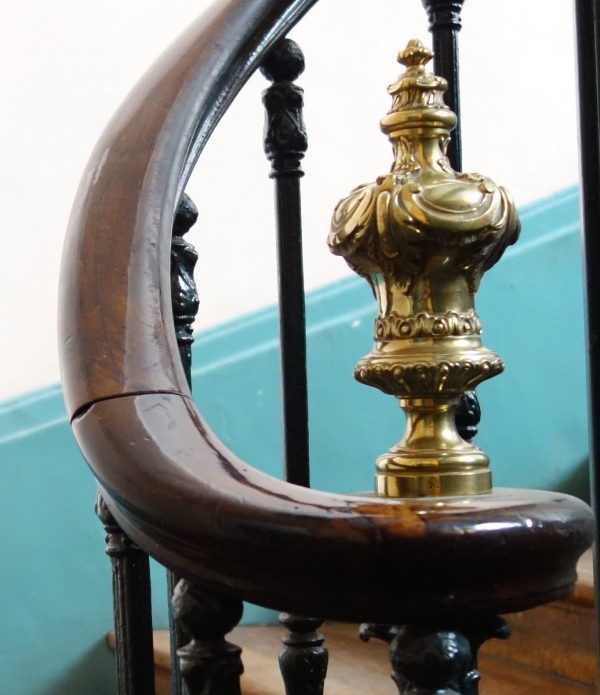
<point x="66" y="65"/>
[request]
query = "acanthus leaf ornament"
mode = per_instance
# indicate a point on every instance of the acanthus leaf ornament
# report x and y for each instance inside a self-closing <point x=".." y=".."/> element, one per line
<point x="423" y="236"/>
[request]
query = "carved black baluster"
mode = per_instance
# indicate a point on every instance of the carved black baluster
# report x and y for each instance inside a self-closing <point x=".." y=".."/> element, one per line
<point x="441" y="660"/>
<point x="444" y="24"/>
<point x="285" y="144"/>
<point x="185" y="303"/>
<point x="184" y="296"/>
<point x="468" y="415"/>
<point x="207" y="663"/>
<point x="436" y="660"/>
<point x="210" y="665"/>
<point x="132" y="608"/>
<point x="303" y="660"/>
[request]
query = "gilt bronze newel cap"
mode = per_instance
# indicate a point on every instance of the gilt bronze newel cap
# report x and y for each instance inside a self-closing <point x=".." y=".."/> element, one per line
<point x="418" y="94"/>
<point x="423" y="236"/>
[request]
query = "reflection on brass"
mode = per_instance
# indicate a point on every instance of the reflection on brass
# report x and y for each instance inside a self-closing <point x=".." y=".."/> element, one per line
<point x="422" y="236"/>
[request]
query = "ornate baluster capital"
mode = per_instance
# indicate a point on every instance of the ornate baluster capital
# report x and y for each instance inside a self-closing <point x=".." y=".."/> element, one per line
<point x="444" y="13"/>
<point x="285" y="139"/>
<point x="304" y="658"/>
<point x="184" y="295"/>
<point x="118" y="543"/>
<point x="423" y="236"/>
<point x="210" y="665"/>
<point x="437" y="659"/>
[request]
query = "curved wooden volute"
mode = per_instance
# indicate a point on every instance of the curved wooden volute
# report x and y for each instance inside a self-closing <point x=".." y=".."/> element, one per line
<point x="173" y="487"/>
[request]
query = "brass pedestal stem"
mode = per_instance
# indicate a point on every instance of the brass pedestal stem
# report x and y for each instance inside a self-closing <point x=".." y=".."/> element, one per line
<point x="432" y="459"/>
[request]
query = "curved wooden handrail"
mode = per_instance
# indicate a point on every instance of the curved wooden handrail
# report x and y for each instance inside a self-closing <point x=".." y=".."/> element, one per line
<point x="169" y="481"/>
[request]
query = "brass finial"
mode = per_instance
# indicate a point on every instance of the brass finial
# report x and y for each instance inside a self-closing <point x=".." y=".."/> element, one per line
<point x="415" y="54"/>
<point x="423" y="236"/>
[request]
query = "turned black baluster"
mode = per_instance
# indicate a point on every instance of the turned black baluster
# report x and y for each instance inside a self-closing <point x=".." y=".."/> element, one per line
<point x="444" y="25"/>
<point x="285" y="143"/>
<point x="185" y="303"/>
<point x="198" y="619"/>
<point x="437" y="660"/>
<point x="303" y="659"/>
<point x="587" y="14"/>
<point x="132" y="608"/>
<point x="210" y="665"/>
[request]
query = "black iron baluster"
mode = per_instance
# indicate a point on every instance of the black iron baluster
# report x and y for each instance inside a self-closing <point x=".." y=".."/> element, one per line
<point x="185" y="303"/>
<point x="430" y="660"/>
<point x="184" y="296"/>
<point x="210" y="665"/>
<point x="132" y="608"/>
<point x="177" y="638"/>
<point x="587" y="13"/>
<point x="285" y="144"/>
<point x="303" y="659"/>
<point x="444" y="25"/>
<point x="198" y="619"/>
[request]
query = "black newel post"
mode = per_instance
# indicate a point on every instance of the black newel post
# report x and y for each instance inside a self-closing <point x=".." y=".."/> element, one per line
<point x="132" y="608"/>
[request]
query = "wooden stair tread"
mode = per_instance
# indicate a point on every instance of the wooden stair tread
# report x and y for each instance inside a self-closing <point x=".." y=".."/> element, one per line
<point x="558" y="638"/>
<point x="552" y="650"/>
<point x="584" y="589"/>
<point x="358" y="667"/>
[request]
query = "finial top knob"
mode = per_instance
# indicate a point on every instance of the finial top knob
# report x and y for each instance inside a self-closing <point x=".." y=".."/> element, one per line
<point x="284" y="62"/>
<point x="415" y="54"/>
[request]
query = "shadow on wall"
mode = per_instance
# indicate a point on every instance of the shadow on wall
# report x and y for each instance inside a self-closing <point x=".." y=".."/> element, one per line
<point x="88" y="675"/>
<point x="577" y="482"/>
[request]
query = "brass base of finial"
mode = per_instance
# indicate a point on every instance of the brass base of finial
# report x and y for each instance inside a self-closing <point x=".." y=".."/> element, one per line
<point x="429" y="484"/>
<point x="432" y="459"/>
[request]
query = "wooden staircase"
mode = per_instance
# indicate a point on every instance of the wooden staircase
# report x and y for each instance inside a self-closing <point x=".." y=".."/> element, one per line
<point x="552" y="650"/>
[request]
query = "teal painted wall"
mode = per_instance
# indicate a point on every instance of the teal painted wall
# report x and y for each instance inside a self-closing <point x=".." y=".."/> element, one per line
<point x="55" y="582"/>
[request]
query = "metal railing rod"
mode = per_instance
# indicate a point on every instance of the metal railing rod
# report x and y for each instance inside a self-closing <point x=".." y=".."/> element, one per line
<point x="285" y="144"/>
<point x="185" y="303"/>
<point x="587" y="14"/>
<point x="444" y="25"/>
<point x="132" y="608"/>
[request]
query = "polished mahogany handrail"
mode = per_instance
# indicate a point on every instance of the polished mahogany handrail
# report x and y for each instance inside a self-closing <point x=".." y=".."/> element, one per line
<point x="170" y="483"/>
